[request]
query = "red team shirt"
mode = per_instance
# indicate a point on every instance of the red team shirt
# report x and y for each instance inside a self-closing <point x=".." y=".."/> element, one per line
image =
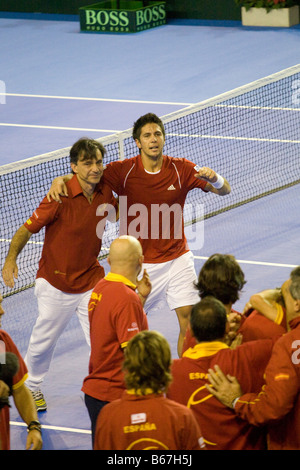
<point x="152" y="421"/>
<point x="116" y="315"/>
<point x="278" y="404"/>
<point x="72" y="244"/>
<point x="18" y="380"/>
<point x="147" y="192"/>
<point x="257" y="326"/>
<point x="221" y="428"/>
<point x="253" y="326"/>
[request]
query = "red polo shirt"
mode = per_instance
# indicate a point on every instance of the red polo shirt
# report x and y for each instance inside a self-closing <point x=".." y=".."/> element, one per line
<point x="116" y="315"/>
<point x="72" y="244"/>
<point x="256" y="326"/>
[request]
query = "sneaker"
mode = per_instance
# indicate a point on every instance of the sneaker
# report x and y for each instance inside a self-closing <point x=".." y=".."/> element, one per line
<point x="39" y="399"/>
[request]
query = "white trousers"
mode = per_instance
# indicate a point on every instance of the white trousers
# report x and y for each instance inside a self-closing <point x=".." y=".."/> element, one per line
<point x="55" y="311"/>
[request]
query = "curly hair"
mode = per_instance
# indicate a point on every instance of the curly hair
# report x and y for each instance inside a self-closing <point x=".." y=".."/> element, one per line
<point x="222" y="277"/>
<point x="147" y="362"/>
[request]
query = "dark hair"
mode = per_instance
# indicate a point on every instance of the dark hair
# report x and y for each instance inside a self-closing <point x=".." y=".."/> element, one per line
<point x="146" y="119"/>
<point x="85" y="148"/>
<point x="222" y="277"/>
<point x="295" y="283"/>
<point x="208" y="319"/>
<point x="147" y="362"/>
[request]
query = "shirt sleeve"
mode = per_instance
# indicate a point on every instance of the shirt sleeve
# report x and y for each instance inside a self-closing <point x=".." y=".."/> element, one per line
<point x="112" y="176"/>
<point x="190" y="180"/>
<point x="279" y="392"/>
<point x="45" y="214"/>
<point x="130" y="321"/>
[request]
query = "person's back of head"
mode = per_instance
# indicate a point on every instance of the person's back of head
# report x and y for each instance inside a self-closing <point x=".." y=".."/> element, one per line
<point x="208" y="320"/>
<point x="125" y="256"/>
<point x="221" y="277"/>
<point x="147" y="363"/>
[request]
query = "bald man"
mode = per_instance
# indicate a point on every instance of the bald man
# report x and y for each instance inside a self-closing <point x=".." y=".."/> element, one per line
<point x="116" y="314"/>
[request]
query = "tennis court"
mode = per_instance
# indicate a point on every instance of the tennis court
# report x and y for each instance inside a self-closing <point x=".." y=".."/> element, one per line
<point x="61" y="85"/>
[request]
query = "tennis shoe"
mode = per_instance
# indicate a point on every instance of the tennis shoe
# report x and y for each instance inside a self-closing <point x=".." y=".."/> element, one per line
<point x="39" y="400"/>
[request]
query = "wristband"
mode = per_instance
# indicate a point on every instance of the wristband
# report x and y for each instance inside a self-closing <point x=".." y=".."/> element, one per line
<point x="234" y="402"/>
<point x="34" y="425"/>
<point x="219" y="183"/>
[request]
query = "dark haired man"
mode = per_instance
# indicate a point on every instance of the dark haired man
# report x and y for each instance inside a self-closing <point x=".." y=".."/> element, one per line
<point x="222" y="430"/>
<point x="68" y="268"/>
<point x="222" y="277"/>
<point x="152" y="182"/>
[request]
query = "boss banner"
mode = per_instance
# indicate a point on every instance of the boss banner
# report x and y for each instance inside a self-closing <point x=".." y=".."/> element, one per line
<point x="122" y="16"/>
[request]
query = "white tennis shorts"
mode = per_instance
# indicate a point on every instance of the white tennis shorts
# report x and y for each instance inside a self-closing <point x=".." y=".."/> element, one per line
<point x="172" y="282"/>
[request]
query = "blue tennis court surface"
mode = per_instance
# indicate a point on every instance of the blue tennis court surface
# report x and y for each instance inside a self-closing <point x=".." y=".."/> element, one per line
<point x="61" y="84"/>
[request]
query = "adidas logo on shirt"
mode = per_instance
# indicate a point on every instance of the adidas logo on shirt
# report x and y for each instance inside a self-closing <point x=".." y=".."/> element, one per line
<point x="170" y="188"/>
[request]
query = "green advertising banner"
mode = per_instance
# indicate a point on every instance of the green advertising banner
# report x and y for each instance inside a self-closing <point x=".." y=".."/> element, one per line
<point x="123" y="16"/>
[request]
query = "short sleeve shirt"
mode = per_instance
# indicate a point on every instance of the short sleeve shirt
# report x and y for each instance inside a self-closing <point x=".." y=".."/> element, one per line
<point x="116" y="314"/>
<point x="73" y="237"/>
<point x="151" y="204"/>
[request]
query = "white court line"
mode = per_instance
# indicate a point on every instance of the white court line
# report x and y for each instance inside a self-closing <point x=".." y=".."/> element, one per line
<point x="261" y="263"/>
<point x="35" y="126"/>
<point x="113" y="100"/>
<point x="30" y="242"/>
<point x="55" y="428"/>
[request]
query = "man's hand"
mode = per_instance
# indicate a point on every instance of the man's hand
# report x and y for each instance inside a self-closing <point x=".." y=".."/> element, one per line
<point x="58" y="188"/>
<point x="10" y="273"/>
<point x="234" y="322"/>
<point x="206" y="174"/>
<point x="34" y="440"/>
<point x="144" y="287"/>
<point x="225" y="388"/>
<point x="234" y="342"/>
<point x="4" y="390"/>
<point x="10" y="268"/>
<point x="215" y="182"/>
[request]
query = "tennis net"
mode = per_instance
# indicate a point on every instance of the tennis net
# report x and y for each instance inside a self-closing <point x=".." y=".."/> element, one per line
<point x="250" y="135"/>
